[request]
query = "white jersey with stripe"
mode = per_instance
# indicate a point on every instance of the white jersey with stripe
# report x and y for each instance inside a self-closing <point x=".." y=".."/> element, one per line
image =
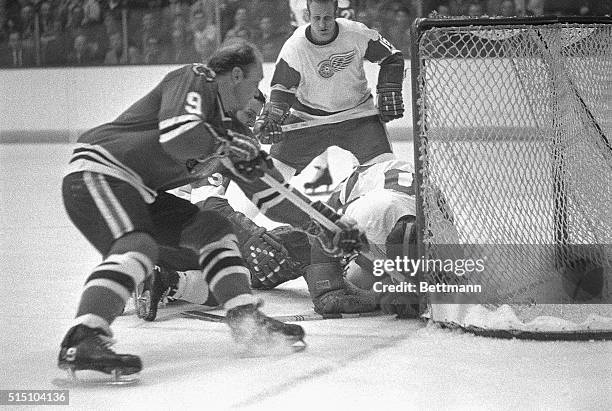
<point x="329" y="78"/>
<point x="376" y="196"/>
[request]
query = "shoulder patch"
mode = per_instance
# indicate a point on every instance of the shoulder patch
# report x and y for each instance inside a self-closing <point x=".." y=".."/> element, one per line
<point x="203" y="70"/>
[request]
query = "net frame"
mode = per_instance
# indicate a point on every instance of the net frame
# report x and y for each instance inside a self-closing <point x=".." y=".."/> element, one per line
<point x="561" y="232"/>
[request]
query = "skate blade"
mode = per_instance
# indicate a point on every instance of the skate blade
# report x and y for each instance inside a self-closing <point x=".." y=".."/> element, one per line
<point x="142" y="304"/>
<point x="299" y="346"/>
<point x="278" y="347"/>
<point x="95" y="379"/>
<point x="314" y="193"/>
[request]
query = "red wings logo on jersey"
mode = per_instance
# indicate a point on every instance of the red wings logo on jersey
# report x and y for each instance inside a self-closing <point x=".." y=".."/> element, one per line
<point x="335" y="63"/>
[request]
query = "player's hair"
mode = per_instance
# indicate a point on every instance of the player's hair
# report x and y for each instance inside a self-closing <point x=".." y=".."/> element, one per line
<point x="322" y="1"/>
<point x="236" y="54"/>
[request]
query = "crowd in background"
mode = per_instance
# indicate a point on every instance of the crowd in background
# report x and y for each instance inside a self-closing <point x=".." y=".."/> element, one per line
<point x="112" y="32"/>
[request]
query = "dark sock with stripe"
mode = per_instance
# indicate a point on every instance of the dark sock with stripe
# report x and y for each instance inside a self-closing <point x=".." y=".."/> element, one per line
<point x="231" y="286"/>
<point x="102" y="302"/>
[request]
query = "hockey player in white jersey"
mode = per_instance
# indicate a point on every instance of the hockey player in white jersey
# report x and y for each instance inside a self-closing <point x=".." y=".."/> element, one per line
<point x="319" y="74"/>
<point x="380" y="198"/>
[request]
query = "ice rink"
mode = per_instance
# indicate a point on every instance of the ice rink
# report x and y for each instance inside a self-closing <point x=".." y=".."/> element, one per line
<point x="361" y="364"/>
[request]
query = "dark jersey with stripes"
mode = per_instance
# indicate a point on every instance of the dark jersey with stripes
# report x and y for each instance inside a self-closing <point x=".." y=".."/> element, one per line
<point x="153" y="144"/>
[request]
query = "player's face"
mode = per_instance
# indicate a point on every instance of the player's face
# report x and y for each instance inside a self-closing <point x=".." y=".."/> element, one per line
<point x="322" y="21"/>
<point x="247" y="87"/>
<point x="248" y="115"/>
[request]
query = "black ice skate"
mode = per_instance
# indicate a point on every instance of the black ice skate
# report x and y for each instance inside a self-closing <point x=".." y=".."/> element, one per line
<point x="155" y="292"/>
<point x="255" y="330"/>
<point x="322" y="178"/>
<point x="86" y="348"/>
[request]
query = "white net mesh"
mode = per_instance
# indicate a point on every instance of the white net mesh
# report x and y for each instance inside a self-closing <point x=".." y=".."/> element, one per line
<point x="514" y="132"/>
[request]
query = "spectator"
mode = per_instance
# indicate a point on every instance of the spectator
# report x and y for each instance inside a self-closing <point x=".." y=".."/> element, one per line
<point x="74" y="22"/>
<point x="204" y="36"/>
<point x="3" y="25"/>
<point x="584" y="10"/>
<point x="444" y="10"/>
<point x="399" y="32"/>
<point x="111" y="24"/>
<point x="52" y="43"/>
<point x="474" y="10"/>
<point x="17" y="55"/>
<point x="81" y="54"/>
<point x="228" y="10"/>
<point x="112" y="8"/>
<point x="175" y="9"/>
<point x="268" y="40"/>
<point x="134" y="56"/>
<point x="46" y="18"/>
<point x="279" y="12"/>
<point x="507" y="8"/>
<point x="181" y="48"/>
<point x="149" y="28"/>
<point x="458" y="7"/>
<point x="152" y="52"/>
<point x="115" y="54"/>
<point x="92" y="13"/>
<point x="240" y="28"/>
<point x="535" y="8"/>
<point x="493" y="7"/>
<point x="27" y="24"/>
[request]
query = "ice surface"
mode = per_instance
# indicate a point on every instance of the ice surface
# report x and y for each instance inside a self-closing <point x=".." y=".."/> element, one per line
<point x="367" y="363"/>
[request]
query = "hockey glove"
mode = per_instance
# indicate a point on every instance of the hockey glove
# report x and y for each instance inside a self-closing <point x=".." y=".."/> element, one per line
<point x="273" y="257"/>
<point x="268" y="126"/>
<point x="390" y="101"/>
<point x="253" y="169"/>
<point x="241" y="147"/>
<point x="346" y="240"/>
<point x="276" y="257"/>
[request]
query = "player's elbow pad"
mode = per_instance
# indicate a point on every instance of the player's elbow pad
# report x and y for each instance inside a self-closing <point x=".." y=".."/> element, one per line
<point x="391" y="69"/>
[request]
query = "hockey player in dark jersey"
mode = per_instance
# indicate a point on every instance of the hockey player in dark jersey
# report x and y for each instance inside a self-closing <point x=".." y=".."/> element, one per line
<point x="114" y="193"/>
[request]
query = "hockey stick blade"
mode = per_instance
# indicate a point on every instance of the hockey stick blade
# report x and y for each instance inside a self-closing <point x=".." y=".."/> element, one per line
<point x="204" y="316"/>
<point x="329" y="120"/>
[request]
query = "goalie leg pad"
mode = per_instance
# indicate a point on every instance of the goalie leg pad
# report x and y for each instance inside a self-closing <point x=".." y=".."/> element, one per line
<point x="401" y="241"/>
<point x="330" y="294"/>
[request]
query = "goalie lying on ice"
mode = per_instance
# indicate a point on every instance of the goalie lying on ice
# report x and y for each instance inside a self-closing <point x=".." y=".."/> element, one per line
<point x="380" y="197"/>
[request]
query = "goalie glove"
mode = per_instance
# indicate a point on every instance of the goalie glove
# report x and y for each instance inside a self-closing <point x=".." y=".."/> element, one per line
<point x="268" y="126"/>
<point x="390" y="101"/>
<point x="273" y="257"/>
<point x="347" y="239"/>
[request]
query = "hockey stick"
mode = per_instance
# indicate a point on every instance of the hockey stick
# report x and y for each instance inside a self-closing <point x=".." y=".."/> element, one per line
<point x="204" y="316"/>
<point x="329" y="120"/>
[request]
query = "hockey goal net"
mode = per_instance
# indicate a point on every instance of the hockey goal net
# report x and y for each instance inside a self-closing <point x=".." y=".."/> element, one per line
<point x="513" y="160"/>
